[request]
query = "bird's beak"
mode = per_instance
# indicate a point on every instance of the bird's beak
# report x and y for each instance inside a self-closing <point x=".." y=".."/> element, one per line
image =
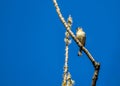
<point x="77" y="29"/>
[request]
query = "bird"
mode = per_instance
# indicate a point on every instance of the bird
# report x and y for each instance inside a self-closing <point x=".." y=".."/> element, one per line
<point x="81" y="36"/>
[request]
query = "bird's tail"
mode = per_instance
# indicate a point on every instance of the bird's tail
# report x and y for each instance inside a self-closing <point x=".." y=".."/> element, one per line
<point x="80" y="52"/>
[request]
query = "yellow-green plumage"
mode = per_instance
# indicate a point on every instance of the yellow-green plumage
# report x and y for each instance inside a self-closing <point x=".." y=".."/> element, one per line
<point x="81" y="36"/>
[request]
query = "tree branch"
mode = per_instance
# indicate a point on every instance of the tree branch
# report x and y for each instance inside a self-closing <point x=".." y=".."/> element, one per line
<point x="96" y="72"/>
<point x="67" y="40"/>
<point x="95" y="64"/>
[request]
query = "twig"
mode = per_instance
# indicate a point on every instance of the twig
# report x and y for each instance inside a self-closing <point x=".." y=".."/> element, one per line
<point x="67" y="81"/>
<point x="64" y="83"/>
<point x="95" y="64"/>
<point x="96" y="72"/>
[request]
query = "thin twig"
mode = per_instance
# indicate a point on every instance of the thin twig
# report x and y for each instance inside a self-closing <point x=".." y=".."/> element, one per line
<point x="64" y="83"/>
<point x="66" y="76"/>
<point x="97" y="67"/>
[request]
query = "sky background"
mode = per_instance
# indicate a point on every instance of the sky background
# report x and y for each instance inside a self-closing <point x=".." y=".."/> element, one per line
<point x="32" y="42"/>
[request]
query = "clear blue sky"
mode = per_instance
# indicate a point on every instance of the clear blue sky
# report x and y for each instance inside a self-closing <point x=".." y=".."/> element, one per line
<point x="32" y="42"/>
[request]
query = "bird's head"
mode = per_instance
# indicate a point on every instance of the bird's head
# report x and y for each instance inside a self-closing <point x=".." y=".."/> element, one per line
<point x="79" y="29"/>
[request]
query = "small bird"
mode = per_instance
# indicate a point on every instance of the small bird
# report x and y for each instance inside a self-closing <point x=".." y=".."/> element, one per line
<point x="81" y="36"/>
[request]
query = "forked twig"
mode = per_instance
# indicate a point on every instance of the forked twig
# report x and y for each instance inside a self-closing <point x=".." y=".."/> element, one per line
<point x="95" y="64"/>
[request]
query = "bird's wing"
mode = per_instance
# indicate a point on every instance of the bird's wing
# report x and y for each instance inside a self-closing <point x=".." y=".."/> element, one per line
<point x="84" y="38"/>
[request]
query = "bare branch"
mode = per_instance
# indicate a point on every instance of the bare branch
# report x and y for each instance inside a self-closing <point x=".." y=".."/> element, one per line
<point x="96" y="72"/>
<point x="67" y="81"/>
<point x="95" y="64"/>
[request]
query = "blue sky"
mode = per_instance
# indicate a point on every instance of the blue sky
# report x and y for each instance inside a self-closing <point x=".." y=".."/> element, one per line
<point x="32" y="42"/>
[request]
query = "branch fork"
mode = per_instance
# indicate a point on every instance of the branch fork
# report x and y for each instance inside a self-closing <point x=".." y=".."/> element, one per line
<point x="96" y="65"/>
